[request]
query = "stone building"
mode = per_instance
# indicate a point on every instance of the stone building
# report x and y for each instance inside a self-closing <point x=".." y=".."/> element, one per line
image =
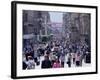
<point x="76" y="26"/>
<point x="35" y="24"/>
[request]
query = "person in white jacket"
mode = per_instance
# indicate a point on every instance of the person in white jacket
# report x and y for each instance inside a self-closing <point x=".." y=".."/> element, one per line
<point x="77" y="59"/>
<point x="30" y="63"/>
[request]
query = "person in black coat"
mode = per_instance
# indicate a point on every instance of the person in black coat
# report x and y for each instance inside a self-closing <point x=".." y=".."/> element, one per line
<point x="46" y="63"/>
<point x="24" y="65"/>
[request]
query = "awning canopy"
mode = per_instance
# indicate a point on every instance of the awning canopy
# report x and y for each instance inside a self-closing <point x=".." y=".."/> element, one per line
<point x="28" y="36"/>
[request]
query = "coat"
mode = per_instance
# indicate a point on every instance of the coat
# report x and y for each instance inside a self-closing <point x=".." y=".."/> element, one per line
<point x="56" y="65"/>
<point x="46" y="64"/>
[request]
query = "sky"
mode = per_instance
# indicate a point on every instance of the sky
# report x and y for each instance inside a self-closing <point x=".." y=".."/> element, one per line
<point x="56" y="16"/>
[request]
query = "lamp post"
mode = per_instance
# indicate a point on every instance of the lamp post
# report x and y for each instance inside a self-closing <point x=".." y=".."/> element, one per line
<point x="45" y="25"/>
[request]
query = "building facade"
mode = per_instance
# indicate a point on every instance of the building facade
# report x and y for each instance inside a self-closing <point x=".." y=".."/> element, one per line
<point x="35" y="24"/>
<point x="76" y="26"/>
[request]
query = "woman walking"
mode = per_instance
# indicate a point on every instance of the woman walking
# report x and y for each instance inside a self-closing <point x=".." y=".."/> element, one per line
<point x="69" y="60"/>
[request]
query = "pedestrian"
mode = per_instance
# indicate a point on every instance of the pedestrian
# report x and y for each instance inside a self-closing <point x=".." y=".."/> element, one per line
<point x="40" y="51"/>
<point x="24" y="65"/>
<point x="88" y="57"/>
<point x="57" y="64"/>
<point x="52" y="57"/>
<point x="77" y="58"/>
<point x="46" y="63"/>
<point x="73" y="56"/>
<point x="27" y="54"/>
<point x="30" y="63"/>
<point x="62" y="57"/>
<point x="69" y="60"/>
<point x="81" y="57"/>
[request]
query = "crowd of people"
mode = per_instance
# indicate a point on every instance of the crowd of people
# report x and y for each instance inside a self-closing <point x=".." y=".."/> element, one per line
<point x="55" y="54"/>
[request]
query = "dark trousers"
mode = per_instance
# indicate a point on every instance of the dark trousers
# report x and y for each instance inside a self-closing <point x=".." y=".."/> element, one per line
<point x="73" y="60"/>
<point x="62" y="64"/>
<point x="77" y="63"/>
<point x="69" y="64"/>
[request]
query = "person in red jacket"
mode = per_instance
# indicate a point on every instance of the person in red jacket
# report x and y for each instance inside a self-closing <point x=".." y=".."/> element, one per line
<point x="57" y="64"/>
